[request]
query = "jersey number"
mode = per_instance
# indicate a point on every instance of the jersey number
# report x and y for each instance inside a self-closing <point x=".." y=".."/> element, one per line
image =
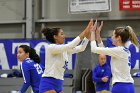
<point x="38" y="68"/>
<point x="129" y="63"/>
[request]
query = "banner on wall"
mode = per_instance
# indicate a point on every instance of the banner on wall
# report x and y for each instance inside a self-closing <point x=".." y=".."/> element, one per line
<point x="129" y="4"/>
<point x="8" y="52"/>
<point x="89" y="6"/>
<point x="135" y="53"/>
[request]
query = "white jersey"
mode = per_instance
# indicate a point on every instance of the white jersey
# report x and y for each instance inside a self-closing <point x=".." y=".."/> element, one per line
<point x="128" y="43"/>
<point x="57" y="54"/>
<point x="120" y="64"/>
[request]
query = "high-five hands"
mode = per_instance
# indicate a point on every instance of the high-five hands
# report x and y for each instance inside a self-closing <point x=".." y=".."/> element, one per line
<point x="94" y="26"/>
<point x="95" y="32"/>
<point x="89" y="28"/>
<point x="99" y="28"/>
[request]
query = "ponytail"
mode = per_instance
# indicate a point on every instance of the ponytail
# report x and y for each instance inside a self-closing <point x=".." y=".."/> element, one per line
<point x="34" y="56"/>
<point x="32" y="53"/>
<point x="133" y="37"/>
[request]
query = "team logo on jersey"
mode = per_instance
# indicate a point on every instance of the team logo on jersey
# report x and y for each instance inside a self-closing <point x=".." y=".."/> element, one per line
<point x="103" y="70"/>
<point x="66" y="65"/>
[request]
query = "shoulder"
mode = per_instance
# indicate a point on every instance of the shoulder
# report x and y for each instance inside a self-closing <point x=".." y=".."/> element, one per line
<point x="119" y="49"/>
<point x="107" y="66"/>
<point x="96" y="67"/>
<point x="27" y="62"/>
<point x="53" y="45"/>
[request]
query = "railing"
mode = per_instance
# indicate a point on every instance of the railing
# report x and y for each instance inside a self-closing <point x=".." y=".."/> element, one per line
<point x="87" y="83"/>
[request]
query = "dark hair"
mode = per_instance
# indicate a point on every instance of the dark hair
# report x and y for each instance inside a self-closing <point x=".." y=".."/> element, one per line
<point x="126" y="33"/>
<point x="49" y="33"/>
<point x="32" y="53"/>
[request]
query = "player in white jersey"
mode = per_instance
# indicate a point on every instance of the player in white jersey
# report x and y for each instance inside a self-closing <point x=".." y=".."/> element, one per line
<point x="120" y="58"/>
<point x="56" y="54"/>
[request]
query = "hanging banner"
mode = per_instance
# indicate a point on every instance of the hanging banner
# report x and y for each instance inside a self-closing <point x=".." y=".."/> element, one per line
<point x="8" y="52"/>
<point x="129" y="4"/>
<point x="89" y="6"/>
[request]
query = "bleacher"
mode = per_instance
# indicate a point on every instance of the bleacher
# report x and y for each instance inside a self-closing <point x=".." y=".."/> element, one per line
<point x="7" y="85"/>
<point x="68" y="86"/>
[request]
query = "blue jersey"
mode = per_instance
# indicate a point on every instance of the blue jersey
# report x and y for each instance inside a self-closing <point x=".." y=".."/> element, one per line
<point x="32" y="73"/>
<point x="98" y="73"/>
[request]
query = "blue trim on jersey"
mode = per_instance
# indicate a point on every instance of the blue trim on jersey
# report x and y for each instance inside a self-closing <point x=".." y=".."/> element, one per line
<point x="49" y="83"/>
<point x="32" y="73"/>
<point x="98" y="73"/>
<point x="123" y="88"/>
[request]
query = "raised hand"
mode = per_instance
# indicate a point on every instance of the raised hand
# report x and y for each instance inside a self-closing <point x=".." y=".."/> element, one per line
<point x="93" y="31"/>
<point x="98" y="30"/>
<point x="87" y="30"/>
<point x="94" y="27"/>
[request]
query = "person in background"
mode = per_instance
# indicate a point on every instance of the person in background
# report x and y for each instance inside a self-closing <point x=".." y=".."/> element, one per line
<point x="31" y="70"/>
<point x="101" y="75"/>
<point x="122" y="80"/>
<point x="57" y="54"/>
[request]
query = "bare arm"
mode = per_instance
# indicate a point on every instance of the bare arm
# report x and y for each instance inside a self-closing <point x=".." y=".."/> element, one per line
<point x="93" y="31"/>
<point x="87" y="31"/>
<point x="98" y="35"/>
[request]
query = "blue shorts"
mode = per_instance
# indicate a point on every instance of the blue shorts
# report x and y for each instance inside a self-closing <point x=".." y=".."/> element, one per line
<point x="123" y="88"/>
<point x="49" y="83"/>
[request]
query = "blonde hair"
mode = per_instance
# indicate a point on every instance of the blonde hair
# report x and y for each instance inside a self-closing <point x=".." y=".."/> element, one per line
<point x="133" y="38"/>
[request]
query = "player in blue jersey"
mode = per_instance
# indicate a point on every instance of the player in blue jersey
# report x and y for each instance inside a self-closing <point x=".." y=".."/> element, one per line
<point x="56" y="54"/>
<point x="122" y="80"/>
<point x="101" y="75"/>
<point x="31" y="70"/>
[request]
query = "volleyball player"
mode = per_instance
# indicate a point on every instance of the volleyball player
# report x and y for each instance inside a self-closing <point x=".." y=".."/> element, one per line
<point x="120" y="58"/>
<point x="31" y="70"/>
<point x="56" y="54"/>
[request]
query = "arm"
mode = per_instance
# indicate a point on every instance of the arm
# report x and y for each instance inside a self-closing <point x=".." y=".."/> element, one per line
<point x="101" y="50"/>
<point x="115" y="51"/>
<point x="26" y="77"/>
<point x="80" y="47"/>
<point x="98" y="30"/>
<point x="87" y="31"/>
<point x="107" y="74"/>
<point x="24" y="87"/>
<point x="55" y="49"/>
<point x="94" y="76"/>
<point x="93" y="31"/>
<point x="101" y="44"/>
